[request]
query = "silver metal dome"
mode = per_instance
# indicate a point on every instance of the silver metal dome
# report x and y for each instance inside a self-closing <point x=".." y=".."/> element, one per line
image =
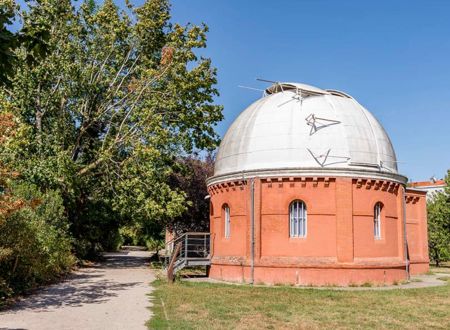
<point x="300" y="129"/>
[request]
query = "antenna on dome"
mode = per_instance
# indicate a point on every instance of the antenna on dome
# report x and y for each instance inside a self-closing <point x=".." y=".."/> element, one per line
<point x="300" y="93"/>
<point x="270" y="81"/>
<point x="262" y="90"/>
<point x="273" y="82"/>
<point x="251" y="88"/>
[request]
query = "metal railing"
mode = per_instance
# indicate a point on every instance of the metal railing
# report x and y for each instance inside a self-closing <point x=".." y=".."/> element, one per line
<point x="192" y="247"/>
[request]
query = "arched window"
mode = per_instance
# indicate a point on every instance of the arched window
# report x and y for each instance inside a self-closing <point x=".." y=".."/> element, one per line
<point x="226" y="212"/>
<point x="297" y="219"/>
<point x="377" y="220"/>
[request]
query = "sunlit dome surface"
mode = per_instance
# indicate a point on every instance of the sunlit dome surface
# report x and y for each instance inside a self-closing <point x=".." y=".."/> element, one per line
<point x="305" y="128"/>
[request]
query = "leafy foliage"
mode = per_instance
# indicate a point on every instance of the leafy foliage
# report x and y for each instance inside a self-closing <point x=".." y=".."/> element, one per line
<point x="439" y="225"/>
<point x="7" y="203"/>
<point x="8" y="41"/>
<point x="191" y="178"/>
<point x="38" y="249"/>
<point x="106" y="102"/>
<point x="34" y="245"/>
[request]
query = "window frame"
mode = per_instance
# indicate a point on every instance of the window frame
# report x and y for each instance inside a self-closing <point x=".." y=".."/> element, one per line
<point x="298" y="219"/>
<point x="377" y="210"/>
<point x="227" y="221"/>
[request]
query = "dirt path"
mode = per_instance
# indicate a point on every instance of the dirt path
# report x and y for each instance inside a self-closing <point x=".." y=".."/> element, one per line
<point x="110" y="295"/>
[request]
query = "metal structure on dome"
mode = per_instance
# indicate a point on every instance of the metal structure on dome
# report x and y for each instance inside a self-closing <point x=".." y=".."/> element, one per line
<point x="322" y="158"/>
<point x="318" y="123"/>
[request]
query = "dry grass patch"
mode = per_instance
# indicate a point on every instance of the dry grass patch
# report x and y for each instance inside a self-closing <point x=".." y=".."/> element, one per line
<point x="192" y="305"/>
<point x="444" y="268"/>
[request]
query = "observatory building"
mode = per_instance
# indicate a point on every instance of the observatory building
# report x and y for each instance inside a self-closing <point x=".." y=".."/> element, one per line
<point x="306" y="192"/>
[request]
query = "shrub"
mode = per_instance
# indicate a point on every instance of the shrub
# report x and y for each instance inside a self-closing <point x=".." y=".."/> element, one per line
<point x="34" y="240"/>
<point x="131" y="235"/>
<point x="113" y="241"/>
<point x="154" y="244"/>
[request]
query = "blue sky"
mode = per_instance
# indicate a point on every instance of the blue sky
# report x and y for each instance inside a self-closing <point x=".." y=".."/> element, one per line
<point x="392" y="56"/>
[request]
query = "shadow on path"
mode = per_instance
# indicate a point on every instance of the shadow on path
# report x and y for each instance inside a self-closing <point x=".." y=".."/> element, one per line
<point x="89" y="285"/>
<point x="124" y="259"/>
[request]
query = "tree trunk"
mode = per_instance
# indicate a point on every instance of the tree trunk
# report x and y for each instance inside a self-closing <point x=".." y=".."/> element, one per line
<point x="38" y="117"/>
<point x="39" y="126"/>
<point x="90" y="167"/>
<point x="16" y="262"/>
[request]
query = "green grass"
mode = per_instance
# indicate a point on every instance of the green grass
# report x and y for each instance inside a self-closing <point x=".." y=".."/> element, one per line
<point x="189" y="305"/>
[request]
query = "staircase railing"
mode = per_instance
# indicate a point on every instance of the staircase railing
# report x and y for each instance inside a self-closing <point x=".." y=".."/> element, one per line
<point x="189" y="249"/>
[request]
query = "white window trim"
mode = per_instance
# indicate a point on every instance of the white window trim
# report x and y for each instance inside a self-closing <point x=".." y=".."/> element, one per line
<point x="227" y="221"/>
<point x="377" y="221"/>
<point x="298" y="219"/>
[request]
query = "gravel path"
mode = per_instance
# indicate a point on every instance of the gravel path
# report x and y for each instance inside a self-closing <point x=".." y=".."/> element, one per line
<point x="110" y="295"/>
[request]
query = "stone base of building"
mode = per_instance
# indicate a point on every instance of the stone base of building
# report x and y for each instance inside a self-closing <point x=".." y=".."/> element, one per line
<point x="335" y="275"/>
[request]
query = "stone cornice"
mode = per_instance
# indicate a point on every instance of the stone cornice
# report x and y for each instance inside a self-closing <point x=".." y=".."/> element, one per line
<point x="308" y="172"/>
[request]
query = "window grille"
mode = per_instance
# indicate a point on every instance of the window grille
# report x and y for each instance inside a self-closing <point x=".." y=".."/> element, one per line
<point x="377" y="221"/>
<point x="297" y="219"/>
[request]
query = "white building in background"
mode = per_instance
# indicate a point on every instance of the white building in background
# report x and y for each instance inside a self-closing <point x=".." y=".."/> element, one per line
<point x="432" y="187"/>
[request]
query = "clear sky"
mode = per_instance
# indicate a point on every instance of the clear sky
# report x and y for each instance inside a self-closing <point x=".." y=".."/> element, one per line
<point x="391" y="56"/>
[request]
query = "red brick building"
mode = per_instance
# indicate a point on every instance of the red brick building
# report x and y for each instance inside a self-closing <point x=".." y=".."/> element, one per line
<point x="306" y="191"/>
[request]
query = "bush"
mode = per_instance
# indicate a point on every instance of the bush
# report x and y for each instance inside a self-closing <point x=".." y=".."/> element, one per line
<point x="36" y="248"/>
<point x="113" y="241"/>
<point x="154" y="244"/>
<point x="131" y="235"/>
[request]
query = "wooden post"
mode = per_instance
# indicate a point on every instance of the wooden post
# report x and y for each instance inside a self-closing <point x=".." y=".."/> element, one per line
<point x="176" y="251"/>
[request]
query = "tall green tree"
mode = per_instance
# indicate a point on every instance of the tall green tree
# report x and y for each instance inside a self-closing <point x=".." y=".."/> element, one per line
<point x="8" y="40"/>
<point x="109" y="108"/>
<point x="34" y="40"/>
<point x="439" y="225"/>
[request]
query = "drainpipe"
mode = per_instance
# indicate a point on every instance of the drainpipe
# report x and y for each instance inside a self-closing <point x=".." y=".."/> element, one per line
<point x="405" y="236"/>
<point x="252" y="231"/>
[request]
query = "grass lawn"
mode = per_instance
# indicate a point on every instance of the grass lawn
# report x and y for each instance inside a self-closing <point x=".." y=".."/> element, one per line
<point x="188" y="305"/>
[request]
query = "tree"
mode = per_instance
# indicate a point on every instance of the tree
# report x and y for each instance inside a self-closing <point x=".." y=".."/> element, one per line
<point x="108" y="110"/>
<point x="7" y="203"/>
<point x="439" y="225"/>
<point x="191" y="178"/>
<point x="8" y="40"/>
<point x="35" y="42"/>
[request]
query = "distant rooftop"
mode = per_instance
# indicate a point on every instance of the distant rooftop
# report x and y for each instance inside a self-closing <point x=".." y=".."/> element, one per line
<point x="431" y="183"/>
